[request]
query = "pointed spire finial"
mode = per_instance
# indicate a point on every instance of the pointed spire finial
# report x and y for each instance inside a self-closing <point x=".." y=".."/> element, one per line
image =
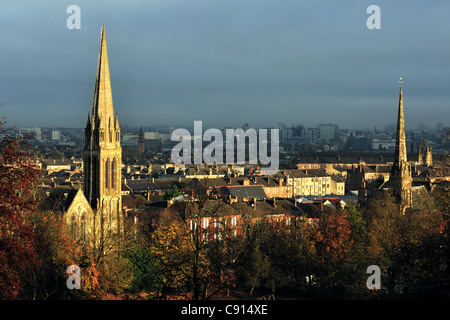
<point x="102" y="107"/>
<point x="400" y="144"/>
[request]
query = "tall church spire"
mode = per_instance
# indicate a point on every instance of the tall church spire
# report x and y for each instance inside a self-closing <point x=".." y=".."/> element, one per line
<point x="95" y="214"/>
<point x="102" y="151"/>
<point x="102" y="106"/>
<point x="401" y="169"/>
<point x="400" y="142"/>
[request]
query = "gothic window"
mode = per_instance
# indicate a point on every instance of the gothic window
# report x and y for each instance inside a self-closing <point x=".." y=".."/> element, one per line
<point x="93" y="175"/>
<point x="83" y="229"/>
<point x="108" y="174"/>
<point x="110" y="136"/>
<point x="73" y="227"/>
<point x="114" y="174"/>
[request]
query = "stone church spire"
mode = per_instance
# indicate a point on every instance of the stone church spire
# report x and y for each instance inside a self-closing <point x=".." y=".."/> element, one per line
<point x="401" y="169"/>
<point x="102" y="151"/>
<point x="95" y="215"/>
<point x="400" y="141"/>
<point x="102" y="106"/>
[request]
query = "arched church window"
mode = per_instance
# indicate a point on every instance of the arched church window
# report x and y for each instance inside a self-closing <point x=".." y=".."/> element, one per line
<point x="83" y="229"/>
<point x="93" y="175"/>
<point x="108" y="174"/>
<point x="73" y="228"/>
<point x="114" y="174"/>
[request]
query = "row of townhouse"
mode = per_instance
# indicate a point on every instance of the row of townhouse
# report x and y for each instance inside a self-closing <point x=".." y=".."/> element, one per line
<point x="286" y="184"/>
<point x="250" y="218"/>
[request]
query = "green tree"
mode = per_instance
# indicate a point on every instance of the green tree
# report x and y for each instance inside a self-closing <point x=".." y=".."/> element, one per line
<point x="146" y="276"/>
<point x="171" y="194"/>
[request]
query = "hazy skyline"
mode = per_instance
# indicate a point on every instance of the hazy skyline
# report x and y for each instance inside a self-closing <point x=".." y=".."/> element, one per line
<point x="228" y="62"/>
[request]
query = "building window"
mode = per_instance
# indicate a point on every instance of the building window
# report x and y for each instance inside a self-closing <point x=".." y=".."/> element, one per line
<point x="73" y="228"/>
<point x="288" y="221"/>
<point x="108" y="174"/>
<point x="205" y="223"/>
<point x="114" y="174"/>
<point x="83" y="229"/>
<point x="233" y="221"/>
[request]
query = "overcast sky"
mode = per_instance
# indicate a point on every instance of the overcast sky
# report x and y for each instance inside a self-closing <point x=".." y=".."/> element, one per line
<point x="227" y="62"/>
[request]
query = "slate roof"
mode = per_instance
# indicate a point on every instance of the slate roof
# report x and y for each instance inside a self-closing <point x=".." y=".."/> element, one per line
<point x="140" y="185"/>
<point x="249" y="192"/>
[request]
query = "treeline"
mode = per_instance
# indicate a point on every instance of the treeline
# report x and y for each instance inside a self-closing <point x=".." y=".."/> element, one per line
<point x="326" y="259"/>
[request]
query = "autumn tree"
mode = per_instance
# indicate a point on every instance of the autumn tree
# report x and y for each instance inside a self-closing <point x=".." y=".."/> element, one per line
<point x="35" y="248"/>
<point x="179" y="264"/>
<point x="276" y="258"/>
<point x="409" y="248"/>
<point x="18" y="174"/>
<point x="332" y="238"/>
<point x="56" y="250"/>
<point x="189" y="258"/>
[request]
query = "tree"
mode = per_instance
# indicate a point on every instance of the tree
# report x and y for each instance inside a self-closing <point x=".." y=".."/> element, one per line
<point x="35" y="248"/>
<point x="183" y="246"/>
<point x="171" y="194"/>
<point x="146" y="277"/>
<point x="18" y="174"/>
<point x="171" y="246"/>
<point x="410" y="248"/>
<point x="253" y="266"/>
<point x="333" y="242"/>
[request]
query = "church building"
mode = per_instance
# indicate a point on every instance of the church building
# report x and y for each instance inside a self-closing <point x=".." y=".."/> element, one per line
<point x="95" y="215"/>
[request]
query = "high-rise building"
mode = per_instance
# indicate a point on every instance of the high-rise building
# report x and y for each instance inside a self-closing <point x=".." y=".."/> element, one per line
<point x="328" y="131"/>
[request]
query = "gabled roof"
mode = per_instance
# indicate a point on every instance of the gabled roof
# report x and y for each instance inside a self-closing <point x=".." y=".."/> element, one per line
<point x="294" y="173"/>
<point x="208" y="183"/>
<point x="268" y="182"/>
<point x="167" y="184"/>
<point x="140" y="185"/>
<point x="337" y="179"/>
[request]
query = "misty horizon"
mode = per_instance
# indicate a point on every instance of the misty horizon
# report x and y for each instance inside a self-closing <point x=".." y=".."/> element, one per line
<point x="228" y="63"/>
